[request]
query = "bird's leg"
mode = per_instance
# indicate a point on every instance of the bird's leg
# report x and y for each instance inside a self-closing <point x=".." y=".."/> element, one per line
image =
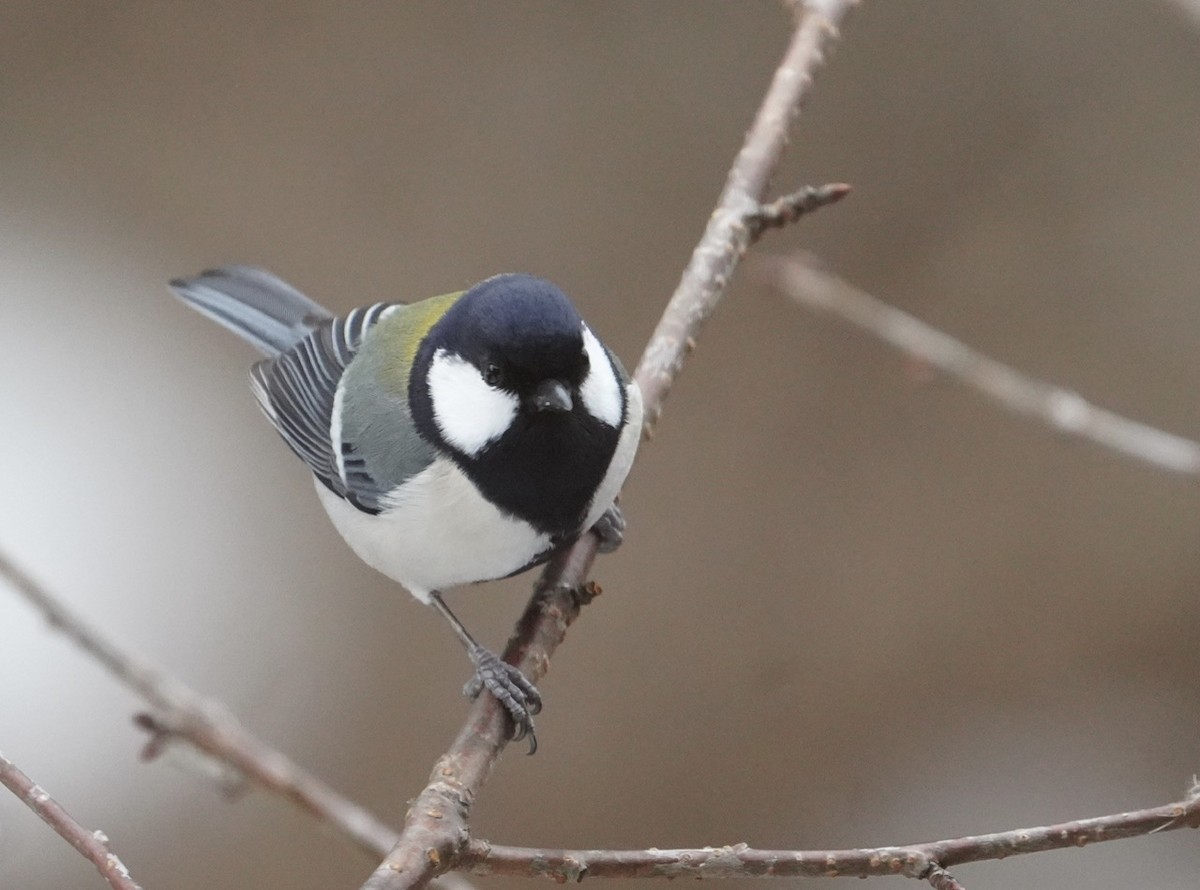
<point x="610" y="529"/>
<point x="504" y="681"/>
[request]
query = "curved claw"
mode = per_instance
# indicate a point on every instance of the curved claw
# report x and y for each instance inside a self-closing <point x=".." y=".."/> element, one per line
<point x="510" y="688"/>
<point x="610" y="529"/>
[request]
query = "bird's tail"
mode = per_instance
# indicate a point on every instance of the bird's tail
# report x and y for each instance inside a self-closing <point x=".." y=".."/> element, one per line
<point x="254" y="304"/>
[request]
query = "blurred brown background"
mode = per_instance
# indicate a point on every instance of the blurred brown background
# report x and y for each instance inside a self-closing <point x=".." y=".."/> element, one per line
<point x="852" y="607"/>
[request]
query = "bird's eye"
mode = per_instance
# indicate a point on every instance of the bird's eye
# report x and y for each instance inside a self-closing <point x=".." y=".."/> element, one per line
<point x="492" y="375"/>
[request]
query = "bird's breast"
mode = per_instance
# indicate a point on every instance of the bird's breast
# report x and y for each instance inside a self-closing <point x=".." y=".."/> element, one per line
<point x="437" y="531"/>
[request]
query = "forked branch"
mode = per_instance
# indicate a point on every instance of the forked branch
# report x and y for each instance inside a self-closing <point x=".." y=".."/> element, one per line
<point x="435" y="834"/>
<point x="184" y="716"/>
<point x="436" y="837"/>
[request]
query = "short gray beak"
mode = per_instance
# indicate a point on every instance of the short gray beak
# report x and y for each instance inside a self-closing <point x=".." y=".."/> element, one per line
<point x="551" y="395"/>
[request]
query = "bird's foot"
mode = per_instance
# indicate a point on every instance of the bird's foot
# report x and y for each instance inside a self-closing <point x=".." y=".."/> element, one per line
<point x="610" y="529"/>
<point x="509" y="687"/>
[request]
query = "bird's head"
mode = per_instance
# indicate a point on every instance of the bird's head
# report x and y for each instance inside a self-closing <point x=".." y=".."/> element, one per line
<point x="513" y="355"/>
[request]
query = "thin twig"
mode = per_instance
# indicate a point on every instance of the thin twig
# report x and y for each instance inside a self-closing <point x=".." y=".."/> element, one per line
<point x="93" y="845"/>
<point x="788" y="209"/>
<point x="435" y="832"/>
<point x="940" y="879"/>
<point x="926" y="861"/>
<point x="1062" y="409"/>
<point x="182" y="714"/>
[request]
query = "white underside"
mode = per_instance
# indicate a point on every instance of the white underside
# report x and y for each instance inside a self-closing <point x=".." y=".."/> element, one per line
<point x="439" y="532"/>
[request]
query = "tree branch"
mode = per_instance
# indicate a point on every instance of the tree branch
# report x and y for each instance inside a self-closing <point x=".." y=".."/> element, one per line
<point x="435" y="833"/>
<point x="1189" y="8"/>
<point x="93" y="845"/>
<point x="1061" y="409"/>
<point x="732" y="228"/>
<point x="926" y="861"/>
<point x="788" y="209"/>
<point x="182" y="714"/>
<point x="940" y="879"/>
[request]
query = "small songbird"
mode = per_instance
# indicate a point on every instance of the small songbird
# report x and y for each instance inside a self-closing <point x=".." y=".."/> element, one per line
<point x="458" y="439"/>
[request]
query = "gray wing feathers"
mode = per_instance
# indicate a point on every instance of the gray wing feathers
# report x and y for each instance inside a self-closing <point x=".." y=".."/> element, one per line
<point x="254" y="304"/>
<point x="298" y="391"/>
<point x="297" y="384"/>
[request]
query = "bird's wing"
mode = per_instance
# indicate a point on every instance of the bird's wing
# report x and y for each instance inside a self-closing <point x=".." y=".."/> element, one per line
<point x="298" y="391"/>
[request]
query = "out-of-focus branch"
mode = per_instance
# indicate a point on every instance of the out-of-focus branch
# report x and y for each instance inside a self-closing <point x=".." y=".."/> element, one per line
<point x="926" y="861"/>
<point x="93" y="845"/>
<point x="182" y="715"/>
<point x="801" y="279"/>
<point x="1190" y="8"/>
<point x="435" y="832"/>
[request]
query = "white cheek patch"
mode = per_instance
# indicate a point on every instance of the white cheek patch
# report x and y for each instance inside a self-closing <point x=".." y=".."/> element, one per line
<point x="601" y="390"/>
<point x="468" y="412"/>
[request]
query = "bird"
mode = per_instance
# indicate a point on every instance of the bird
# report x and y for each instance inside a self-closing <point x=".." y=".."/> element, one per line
<point x="453" y="440"/>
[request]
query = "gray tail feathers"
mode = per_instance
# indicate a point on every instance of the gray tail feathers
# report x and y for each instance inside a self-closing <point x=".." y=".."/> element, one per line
<point x="254" y="304"/>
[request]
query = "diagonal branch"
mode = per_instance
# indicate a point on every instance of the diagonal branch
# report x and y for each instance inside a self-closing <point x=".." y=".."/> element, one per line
<point x="1188" y="8"/>
<point x="435" y="832"/>
<point x="1061" y="409"/>
<point x="732" y="228"/>
<point x="926" y="861"/>
<point x="182" y="714"/>
<point x="93" y="845"/>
